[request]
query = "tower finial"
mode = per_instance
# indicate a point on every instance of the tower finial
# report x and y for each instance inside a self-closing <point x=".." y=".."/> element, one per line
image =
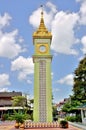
<point x="41" y="11"/>
<point x="41" y="7"/>
<point x="42" y="30"/>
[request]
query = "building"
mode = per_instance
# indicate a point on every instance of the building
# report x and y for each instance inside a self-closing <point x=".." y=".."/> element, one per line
<point x="42" y="74"/>
<point x="6" y="98"/>
<point x="60" y="106"/>
<point x="6" y="101"/>
<point x="82" y="108"/>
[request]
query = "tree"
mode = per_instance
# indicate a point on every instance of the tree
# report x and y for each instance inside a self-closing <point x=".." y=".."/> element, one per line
<point x="19" y="101"/>
<point x="79" y="88"/>
<point x="67" y="107"/>
<point x="70" y="107"/>
<point x="22" y="102"/>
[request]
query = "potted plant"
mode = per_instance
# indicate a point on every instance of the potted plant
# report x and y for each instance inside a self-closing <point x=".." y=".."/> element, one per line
<point x="21" y="125"/>
<point x="21" y="122"/>
<point x="63" y="124"/>
<point x="19" y="118"/>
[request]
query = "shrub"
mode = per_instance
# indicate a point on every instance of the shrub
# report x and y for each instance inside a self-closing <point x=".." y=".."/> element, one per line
<point x="11" y="118"/>
<point x="73" y="118"/>
<point x="19" y="117"/>
<point x="63" y="124"/>
<point x="78" y="118"/>
<point x="5" y="117"/>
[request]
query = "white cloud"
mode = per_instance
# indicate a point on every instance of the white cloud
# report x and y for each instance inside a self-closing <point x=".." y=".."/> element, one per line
<point x="83" y="41"/>
<point x="4" y="80"/>
<point x="4" y="90"/>
<point x="1" y="66"/>
<point x="29" y="81"/>
<point x="5" y="20"/>
<point x="8" y="45"/>
<point x="62" y="25"/>
<point x="68" y="80"/>
<point x="52" y="7"/>
<point x="56" y="89"/>
<point x="80" y="0"/>
<point x="9" y="41"/>
<point x="34" y="19"/>
<point x="82" y="12"/>
<point x="63" y="32"/>
<point x="52" y="74"/>
<point x="24" y="66"/>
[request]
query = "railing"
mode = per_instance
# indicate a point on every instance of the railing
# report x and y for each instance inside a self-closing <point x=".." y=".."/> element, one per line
<point x="29" y="124"/>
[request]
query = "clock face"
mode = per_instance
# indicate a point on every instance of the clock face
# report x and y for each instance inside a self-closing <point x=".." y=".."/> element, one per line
<point x="42" y="48"/>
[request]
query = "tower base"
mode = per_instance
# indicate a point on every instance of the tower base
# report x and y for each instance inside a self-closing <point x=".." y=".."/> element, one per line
<point x="30" y="124"/>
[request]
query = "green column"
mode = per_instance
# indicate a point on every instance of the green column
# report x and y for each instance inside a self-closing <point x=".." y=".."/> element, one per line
<point x="36" y="92"/>
<point x="42" y="90"/>
<point x="48" y="91"/>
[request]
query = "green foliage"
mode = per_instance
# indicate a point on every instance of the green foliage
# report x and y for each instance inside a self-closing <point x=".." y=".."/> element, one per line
<point x="79" y="88"/>
<point x="54" y="111"/>
<point x="67" y="107"/>
<point x="19" y="101"/>
<point x="5" y="117"/>
<point x="79" y="92"/>
<point x="73" y="118"/>
<point x="31" y="116"/>
<point x="32" y="101"/>
<point x="19" y="116"/>
<point x="55" y="118"/>
<point x="11" y="118"/>
<point x="64" y="124"/>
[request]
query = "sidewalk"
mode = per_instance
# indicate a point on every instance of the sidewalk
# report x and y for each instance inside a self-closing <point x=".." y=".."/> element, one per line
<point x="6" y="125"/>
<point x="83" y="127"/>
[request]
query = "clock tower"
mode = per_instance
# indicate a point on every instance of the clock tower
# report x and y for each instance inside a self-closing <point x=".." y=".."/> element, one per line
<point x="42" y="74"/>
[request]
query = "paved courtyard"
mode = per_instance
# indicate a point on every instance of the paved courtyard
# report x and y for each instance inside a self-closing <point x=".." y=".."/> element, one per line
<point x="7" y="125"/>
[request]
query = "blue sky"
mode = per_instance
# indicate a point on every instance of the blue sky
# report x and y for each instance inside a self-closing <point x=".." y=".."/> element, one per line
<point x="66" y="20"/>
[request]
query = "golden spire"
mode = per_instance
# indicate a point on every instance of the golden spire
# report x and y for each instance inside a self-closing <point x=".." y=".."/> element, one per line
<point x="42" y="31"/>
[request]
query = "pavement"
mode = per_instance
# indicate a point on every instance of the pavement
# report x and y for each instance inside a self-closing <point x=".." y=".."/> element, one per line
<point x="79" y="125"/>
<point x="7" y="125"/>
<point x="70" y="128"/>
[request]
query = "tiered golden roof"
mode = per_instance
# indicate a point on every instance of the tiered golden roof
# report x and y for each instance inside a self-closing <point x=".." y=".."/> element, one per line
<point x="42" y="31"/>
